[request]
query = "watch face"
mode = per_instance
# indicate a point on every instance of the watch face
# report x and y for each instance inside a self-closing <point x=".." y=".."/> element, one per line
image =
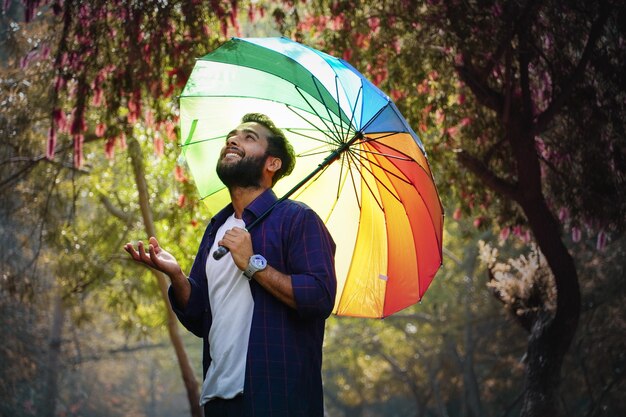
<point x="258" y="262"/>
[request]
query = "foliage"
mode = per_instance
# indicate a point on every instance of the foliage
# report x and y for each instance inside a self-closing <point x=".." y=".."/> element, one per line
<point x="99" y="73"/>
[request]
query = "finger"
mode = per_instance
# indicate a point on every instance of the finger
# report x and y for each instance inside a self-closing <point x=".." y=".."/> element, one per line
<point x="143" y="255"/>
<point x="131" y="250"/>
<point x="155" y="244"/>
<point x="153" y="257"/>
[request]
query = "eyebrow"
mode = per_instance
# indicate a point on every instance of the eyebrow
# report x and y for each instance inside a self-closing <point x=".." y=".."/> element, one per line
<point x="246" y="130"/>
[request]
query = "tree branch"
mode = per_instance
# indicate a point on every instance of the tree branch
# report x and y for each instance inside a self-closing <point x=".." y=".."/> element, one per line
<point x="557" y="103"/>
<point x="520" y="20"/>
<point x="487" y="176"/>
<point x="126" y="217"/>
<point x="485" y="95"/>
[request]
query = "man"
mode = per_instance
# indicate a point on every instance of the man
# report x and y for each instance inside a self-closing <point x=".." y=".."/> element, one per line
<point x="260" y="309"/>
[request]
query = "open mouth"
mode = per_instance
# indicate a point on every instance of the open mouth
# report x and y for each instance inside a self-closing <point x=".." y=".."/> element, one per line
<point x="232" y="153"/>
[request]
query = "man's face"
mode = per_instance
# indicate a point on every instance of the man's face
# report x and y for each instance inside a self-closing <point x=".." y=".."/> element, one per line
<point x="242" y="159"/>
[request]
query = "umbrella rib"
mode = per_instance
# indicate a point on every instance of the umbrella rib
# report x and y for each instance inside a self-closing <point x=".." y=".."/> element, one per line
<point x="386" y="155"/>
<point x="202" y="140"/>
<point x="339" y="106"/>
<point x="295" y="132"/>
<point x="379" y="181"/>
<point x="356" y="100"/>
<point x="334" y="138"/>
<point x="379" y="203"/>
<point x="309" y="183"/>
<point x="356" y="193"/>
<point x="373" y="162"/>
<point x="315" y="82"/>
<point x="310" y="153"/>
<point x="340" y="176"/>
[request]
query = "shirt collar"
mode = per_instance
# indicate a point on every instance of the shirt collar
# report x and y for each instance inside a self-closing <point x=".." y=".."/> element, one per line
<point x="256" y="208"/>
<point x="259" y="206"/>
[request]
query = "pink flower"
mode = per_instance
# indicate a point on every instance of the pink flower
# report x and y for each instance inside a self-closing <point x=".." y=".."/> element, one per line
<point x="122" y="138"/>
<point x="158" y="146"/>
<point x="52" y="143"/>
<point x="100" y="129"/>
<point x="78" y="150"/>
<point x="58" y="117"/>
<point x="576" y="234"/>
<point x="465" y="121"/>
<point x="98" y="93"/>
<point x="109" y="148"/>
<point x="457" y="214"/>
<point x="504" y="233"/>
<point x="179" y="174"/>
<point x="602" y="240"/>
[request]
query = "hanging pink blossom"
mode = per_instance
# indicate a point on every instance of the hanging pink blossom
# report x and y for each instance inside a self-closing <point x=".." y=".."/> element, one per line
<point x="100" y="129"/>
<point x="397" y="94"/>
<point x="601" y="241"/>
<point x="58" y="117"/>
<point x="457" y="214"/>
<point x="59" y="83"/>
<point x="465" y="121"/>
<point x="109" y="148"/>
<point x="505" y="233"/>
<point x="563" y="214"/>
<point x="98" y="94"/>
<point x="478" y="221"/>
<point x="78" y="123"/>
<point x="374" y="23"/>
<point x="158" y="146"/>
<point x="51" y="144"/>
<point x="347" y="54"/>
<point x="149" y="118"/>
<point x="78" y="150"/>
<point x="170" y="131"/>
<point x="122" y="141"/>
<point x="181" y="200"/>
<point x="179" y="174"/>
<point x="452" y="131"/>
<point x="576" y="234"/>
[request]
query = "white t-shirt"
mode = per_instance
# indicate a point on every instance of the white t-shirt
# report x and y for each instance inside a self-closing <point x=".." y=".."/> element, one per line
<point x="231" y="308"/>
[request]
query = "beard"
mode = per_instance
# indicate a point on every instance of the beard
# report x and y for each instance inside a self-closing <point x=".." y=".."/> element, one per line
<point x="245" y="173"/>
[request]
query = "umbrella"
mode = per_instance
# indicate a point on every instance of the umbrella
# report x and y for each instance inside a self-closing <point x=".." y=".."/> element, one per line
<point x="359" y="164"/>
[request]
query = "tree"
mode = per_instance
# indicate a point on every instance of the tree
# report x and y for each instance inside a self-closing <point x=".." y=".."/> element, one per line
<point x="525" y="95"/>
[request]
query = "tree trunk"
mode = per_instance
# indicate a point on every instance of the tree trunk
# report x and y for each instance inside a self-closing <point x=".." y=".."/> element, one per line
<point x="191" y="385"/>
<point x="48" y="403"/>
<point x="550" y="335"/>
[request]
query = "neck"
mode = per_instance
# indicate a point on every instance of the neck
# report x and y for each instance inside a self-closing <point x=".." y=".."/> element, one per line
<point x="242" y="196"/>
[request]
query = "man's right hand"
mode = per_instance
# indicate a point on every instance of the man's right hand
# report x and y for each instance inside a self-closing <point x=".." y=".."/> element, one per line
<point x="156" y="258"/>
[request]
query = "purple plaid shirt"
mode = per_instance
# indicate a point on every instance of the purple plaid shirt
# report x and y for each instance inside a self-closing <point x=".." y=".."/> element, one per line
<point x="284" y="360"/>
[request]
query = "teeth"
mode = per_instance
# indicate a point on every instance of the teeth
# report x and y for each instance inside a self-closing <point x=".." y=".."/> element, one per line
<point x="230" y="154"/>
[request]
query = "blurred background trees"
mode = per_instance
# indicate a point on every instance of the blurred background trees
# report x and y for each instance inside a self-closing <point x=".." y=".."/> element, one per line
<point x="520" y="106"/>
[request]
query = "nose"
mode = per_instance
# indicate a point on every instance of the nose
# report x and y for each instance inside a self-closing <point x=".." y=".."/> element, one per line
<point x="232" y="139"/>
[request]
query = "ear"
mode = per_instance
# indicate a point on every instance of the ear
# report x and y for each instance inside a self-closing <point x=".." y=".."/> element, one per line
<point x="273" y="164"/>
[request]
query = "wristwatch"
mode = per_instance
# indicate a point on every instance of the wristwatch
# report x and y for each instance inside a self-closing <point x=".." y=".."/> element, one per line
<point x="255" y="264"/>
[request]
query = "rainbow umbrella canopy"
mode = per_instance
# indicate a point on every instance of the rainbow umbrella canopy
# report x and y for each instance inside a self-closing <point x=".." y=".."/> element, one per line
<point x="359" y="164"/>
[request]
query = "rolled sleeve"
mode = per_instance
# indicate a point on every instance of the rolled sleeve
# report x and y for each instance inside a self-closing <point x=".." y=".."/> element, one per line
<point x="312" y="264"/>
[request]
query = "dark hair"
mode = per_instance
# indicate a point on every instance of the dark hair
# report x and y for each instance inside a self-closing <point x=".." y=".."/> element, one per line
<point x="277" y="144"/>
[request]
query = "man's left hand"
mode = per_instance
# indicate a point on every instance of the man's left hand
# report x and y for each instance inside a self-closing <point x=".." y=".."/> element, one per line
<point x="239" y="242"/>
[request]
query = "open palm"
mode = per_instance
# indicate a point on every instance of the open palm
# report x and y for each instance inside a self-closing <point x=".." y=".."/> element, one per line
<point x="156" y="257"/>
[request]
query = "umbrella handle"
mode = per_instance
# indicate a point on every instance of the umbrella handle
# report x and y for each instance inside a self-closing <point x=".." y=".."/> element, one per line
<point x="220" y="252"/>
